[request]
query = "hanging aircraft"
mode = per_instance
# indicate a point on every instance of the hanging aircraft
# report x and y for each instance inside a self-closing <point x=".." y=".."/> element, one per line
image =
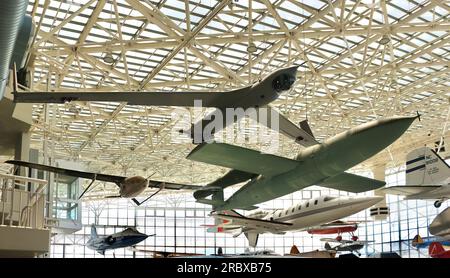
<point x="336" y="227"/>
<point x="129" y="187"/>
<point x="257" y="96"/>
<point x="343" y="245"/>
<point x="271" y="176"/>
<point x="126" y="238"/>
<point x="427" y="177"/>
<point x="326" y="254"/>
<point x="307" y="215"/>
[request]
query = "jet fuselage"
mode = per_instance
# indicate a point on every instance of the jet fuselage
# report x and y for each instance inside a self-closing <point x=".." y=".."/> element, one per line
<point x="322" y="161"/>
<point x="126" y="238"/>
<point x="321" y="210"/>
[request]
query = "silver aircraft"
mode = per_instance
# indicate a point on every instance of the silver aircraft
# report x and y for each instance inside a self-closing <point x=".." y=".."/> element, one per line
<point x="126" y="238"/>
<point x="257" y="95"/>
<point x="312" y="214"/>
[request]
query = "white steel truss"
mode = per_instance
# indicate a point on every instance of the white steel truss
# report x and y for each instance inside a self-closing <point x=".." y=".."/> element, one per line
<point x="348" y="75"/>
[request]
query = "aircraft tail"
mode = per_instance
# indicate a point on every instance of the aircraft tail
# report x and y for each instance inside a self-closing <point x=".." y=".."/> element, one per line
<point x="424" y="167"/>
<point x="294" y="250"/>
<point x="93" y="231"/>
<point x="417" y="240"/>
<point x="435" y="249"/>
<point x="252" y="238"/>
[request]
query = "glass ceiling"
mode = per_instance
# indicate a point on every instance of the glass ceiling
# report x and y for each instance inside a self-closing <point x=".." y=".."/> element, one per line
<point x="359" y="60"/>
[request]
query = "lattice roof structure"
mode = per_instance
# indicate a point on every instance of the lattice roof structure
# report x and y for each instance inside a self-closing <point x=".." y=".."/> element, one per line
<point x="358" y="60"/>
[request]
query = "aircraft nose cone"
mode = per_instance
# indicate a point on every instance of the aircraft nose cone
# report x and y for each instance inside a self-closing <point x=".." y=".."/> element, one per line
<point x="401" y="122"/>
<point x="440" y="223"/>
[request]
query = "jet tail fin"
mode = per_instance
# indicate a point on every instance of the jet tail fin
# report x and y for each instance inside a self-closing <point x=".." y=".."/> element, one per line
<point x="294" y="250"/>
<point x="252" y="238"/>
<point x="417" y="163"/>
<point x="328" y="246"/>
<point x="435" y="249"/>
<point x="305" y="126"/>
<point x="93" y="231"/>
<point x="417" y="240"/>
<point x="217" y="200"/>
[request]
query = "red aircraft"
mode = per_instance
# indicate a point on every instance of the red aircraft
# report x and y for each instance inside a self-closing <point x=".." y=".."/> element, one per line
<point x="337" y="227"/>
<point x="436" y="250"/>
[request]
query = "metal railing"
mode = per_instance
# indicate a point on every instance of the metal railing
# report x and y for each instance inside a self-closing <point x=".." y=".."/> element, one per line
<point x="19" y="207"/>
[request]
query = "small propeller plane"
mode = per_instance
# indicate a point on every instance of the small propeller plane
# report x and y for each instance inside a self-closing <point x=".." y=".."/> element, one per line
<point x="327" y="254"/>
<point x="129" y="187"/>
<point x="343" y="245"/>
<point x="337" y="227"/>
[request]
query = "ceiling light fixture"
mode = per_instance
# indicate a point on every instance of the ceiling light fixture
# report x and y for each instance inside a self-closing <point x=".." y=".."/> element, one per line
<point x="384" y="40"/>
<point x="108" y="58"/>
<point x="251" y="48"/>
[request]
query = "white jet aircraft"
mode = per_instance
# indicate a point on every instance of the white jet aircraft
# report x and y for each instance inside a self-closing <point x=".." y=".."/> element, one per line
<point x="301" y="217"/>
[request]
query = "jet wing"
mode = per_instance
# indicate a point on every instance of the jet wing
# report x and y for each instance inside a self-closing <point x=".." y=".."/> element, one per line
<point x="252" y="223"/>
<point x="351" y="183"/>
<point x="68" y="172"/>
<point x="230" y="178"/>
<point x="242" y="159"/>
<point x="173" y="186"/>
<point x="100" y="177"/>
<point x="407" y="190"/>
<point x="301" y="134"/>
<point x="335" y="225"/>
<point x="209" y="99"/>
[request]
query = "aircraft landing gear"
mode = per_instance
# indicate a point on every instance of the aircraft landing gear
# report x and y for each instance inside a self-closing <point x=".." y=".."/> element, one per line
<point x="437" y="204"/>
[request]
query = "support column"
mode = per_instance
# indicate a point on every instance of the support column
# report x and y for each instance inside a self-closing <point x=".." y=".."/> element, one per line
<point x="380" y="211"/>
<point x="22" y="152"/>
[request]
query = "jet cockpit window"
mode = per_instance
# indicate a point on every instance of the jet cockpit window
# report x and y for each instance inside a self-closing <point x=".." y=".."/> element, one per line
<point x="131" y="230"/>
<point x="315" y="202"/>
<point x="307" y="205"/>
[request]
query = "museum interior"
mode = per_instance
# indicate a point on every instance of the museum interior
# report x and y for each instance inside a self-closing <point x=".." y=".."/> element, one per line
<point x="235" y="128"/>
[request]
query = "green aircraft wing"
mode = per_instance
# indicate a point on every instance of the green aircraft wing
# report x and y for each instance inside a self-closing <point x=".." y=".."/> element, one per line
<point x="352" y="183"/>
<point x="242" y="159"/>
